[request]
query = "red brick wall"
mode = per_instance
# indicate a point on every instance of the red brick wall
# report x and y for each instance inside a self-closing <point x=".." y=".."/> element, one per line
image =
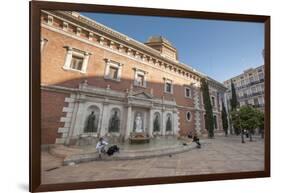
<point x="51" y="112"/>
<point x="52" y="73"/>
<point x="186" y="126"/>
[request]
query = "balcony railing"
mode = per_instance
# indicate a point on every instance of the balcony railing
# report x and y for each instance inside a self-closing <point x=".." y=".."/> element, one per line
<point x="251" y="95"/>
<point x="250" y="84"/>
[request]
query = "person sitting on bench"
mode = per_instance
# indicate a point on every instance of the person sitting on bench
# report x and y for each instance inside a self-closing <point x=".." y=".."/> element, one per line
<point x="195" y="139"/>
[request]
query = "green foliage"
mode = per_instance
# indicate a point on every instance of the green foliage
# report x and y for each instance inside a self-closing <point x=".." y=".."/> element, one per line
<point x="233" y="101"/>
<point x="209" y="119"/>
<point x="224" y="119"/>
<point x="247" y="118"/>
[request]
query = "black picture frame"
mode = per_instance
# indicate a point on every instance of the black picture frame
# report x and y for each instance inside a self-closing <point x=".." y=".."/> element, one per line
<point x="35" y="102"/>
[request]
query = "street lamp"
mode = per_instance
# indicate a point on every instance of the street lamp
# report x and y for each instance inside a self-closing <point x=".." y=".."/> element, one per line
<point x="242" y="130"/>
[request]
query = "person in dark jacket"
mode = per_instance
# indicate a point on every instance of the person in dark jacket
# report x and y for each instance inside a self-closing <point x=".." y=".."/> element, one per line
<point x="113" y="149"/>
<point x="196" y="140"/>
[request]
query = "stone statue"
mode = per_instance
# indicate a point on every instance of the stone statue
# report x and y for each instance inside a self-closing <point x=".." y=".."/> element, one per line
<point x="138" y="124"/>
<point x="169" y="124"/>
<point x="91" y="123"/>
<point x="156" y="125"/>
<point x="114" y="123"/>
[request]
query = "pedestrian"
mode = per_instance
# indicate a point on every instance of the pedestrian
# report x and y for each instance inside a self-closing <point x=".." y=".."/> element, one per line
<point x="196" y="140"/>
<point x="101" y="146"/>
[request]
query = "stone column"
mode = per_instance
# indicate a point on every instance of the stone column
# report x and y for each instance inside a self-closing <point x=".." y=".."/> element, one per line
<point x="73" y="121"/>
<point x="128" y="125"/>
<point x="150" y="123"/>
<point x="175" y="123"/>
<point x="104" y="119"/>
<point x="163" y="122"/>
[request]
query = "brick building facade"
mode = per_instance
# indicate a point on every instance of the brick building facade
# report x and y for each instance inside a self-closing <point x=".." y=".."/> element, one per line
<point x="91" y="72"/>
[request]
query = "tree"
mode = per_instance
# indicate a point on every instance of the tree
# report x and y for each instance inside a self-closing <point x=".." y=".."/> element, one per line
<point x="234" y="105"/>
<point x="247" y="118"/>
<point x="224" y="119"/>
<point x="233" y="100"/>
<point x="209" y="119"/>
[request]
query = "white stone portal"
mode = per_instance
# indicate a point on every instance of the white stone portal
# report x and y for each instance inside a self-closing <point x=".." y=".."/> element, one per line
<point x="135" y="115"/>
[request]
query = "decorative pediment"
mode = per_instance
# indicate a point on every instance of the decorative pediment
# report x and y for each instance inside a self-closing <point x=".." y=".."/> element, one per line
<point x="143" y="95"/>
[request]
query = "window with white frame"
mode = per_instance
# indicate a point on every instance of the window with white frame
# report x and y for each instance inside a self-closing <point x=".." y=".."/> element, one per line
<point x="261" y="100"/>
<point x="242" y="82"/>
<point x="187" y="91"/>
<point x="253" y="89"/>
<point x="240" y="94"/>
<point x="112" y="70"/>
<point x="168" y="86"/>
<point x="76" y="60"/>
<point x="188" y="116"/>
<point x="140" y="78"/>
<point x="251" y="78"/>
<point x="76" y="63"/>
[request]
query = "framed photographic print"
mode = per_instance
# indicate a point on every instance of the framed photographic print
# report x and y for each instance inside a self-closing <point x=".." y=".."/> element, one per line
<point x="124" y="96"/>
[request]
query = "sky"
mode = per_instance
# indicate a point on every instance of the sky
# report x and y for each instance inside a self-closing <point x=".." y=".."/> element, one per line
<point x="219" y="49"/>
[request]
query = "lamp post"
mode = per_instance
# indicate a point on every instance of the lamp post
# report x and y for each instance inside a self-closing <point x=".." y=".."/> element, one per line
<point x="242" y="130"/>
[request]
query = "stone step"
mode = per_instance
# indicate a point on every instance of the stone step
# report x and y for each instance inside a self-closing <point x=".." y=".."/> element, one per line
<point x="128" y="154"/>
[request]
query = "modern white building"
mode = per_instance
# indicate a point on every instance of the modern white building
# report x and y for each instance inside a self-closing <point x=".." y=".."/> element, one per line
<point x="249" y="87"/>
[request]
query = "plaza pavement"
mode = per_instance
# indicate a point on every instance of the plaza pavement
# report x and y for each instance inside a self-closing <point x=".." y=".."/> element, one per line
<point x="219" y="155"/>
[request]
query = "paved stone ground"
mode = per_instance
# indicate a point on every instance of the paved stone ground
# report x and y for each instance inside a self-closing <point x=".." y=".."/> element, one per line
<point x="219" y="155"/>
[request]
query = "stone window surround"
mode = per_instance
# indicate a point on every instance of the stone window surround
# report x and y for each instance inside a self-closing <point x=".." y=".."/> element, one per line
<point x="43" y="43"/>
<point x="190" y="92"/>
<point x="144" y="74"/>
<point x="166" y="80"/>
<point x="190" y="117"/>
<point x="76" y="52"/>
<point x="215" y="102"/>
<point x="110" y="63"/>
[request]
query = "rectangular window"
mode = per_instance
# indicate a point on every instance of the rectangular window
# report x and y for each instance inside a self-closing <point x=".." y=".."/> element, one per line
<point x="254" y="89"/>
<point x="256" y="101"/>
<point x="251" y="79"/>
<point x="187" y="92"/>
<point x="215" y="122"/>
<point x="213" y="101"/>
<point x="76" y="60"/>
<point x="113" y="72"/>
<point x="261" y="76"/>
<point x="140" y="80"/>
<point x="168" y="87"/>
<point x="76" y="63"/>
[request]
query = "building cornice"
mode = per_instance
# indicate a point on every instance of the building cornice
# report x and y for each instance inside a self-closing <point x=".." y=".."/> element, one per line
<point x="92" y="26"/>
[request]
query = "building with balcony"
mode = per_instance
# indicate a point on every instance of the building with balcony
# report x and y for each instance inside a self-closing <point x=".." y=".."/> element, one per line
<point x="249" y="88"/>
